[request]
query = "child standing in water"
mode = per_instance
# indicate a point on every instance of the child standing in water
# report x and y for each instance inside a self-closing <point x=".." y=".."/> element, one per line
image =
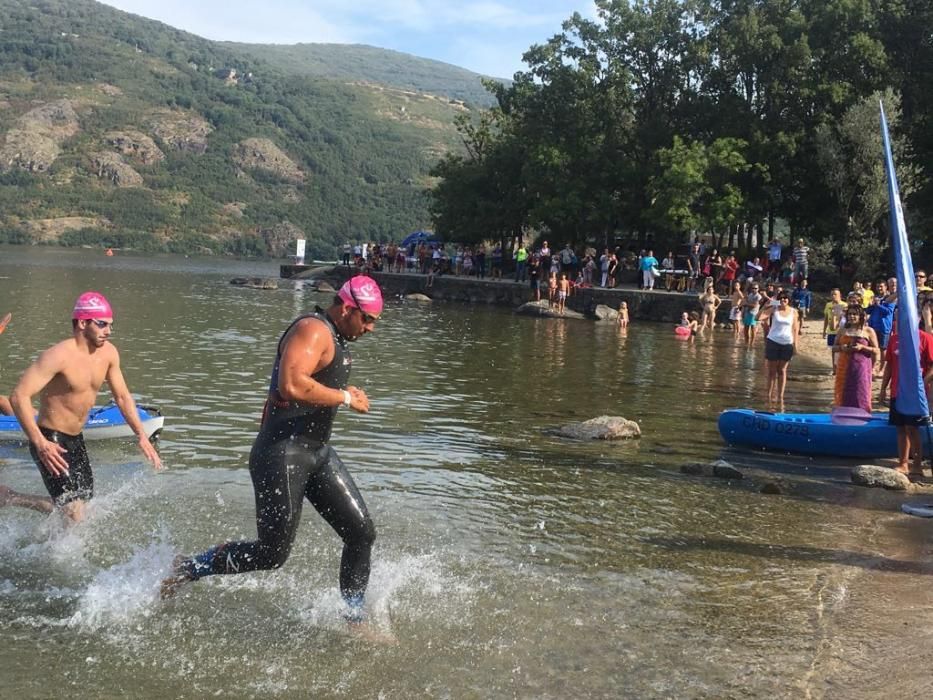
<point x="563" y="289"/>
<point x="735" y="312"/>
<point x="623" y="315"/>
<point x="552" y="290"/>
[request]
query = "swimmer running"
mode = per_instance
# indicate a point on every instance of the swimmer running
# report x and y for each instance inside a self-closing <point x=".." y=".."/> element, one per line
<point x="291" y="460"/>
<point x="68" y="377"/>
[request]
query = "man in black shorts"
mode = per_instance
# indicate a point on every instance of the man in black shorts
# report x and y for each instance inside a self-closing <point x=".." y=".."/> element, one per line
<point x="68" y="377"/>
<point x="291" y="460"/>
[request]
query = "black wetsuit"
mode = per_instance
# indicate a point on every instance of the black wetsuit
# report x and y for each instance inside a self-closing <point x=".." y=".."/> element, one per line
<point x="78" y="484"/>
<point x="290" y="461"/>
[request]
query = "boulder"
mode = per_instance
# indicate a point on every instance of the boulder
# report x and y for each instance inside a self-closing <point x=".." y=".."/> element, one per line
<point x="326" y="287"/>
<point x="601" y="428"/>
<point x="874" y="476"/>
<point x="263" y="154"/>
<point x="110" y="166"/>
<point x="695" y="468"/>
<point x="28" y="150"/>
<point x="772" y="488"/>
<point x="541" y="308"/>
<point x="720" y="469"/>
<point x="602" y="312"/>
<point x="35" y="142"/>
<point x="723" y="470"/>
<point x="424" y="298"/>
<point x="136" y="145"/>
<point x="180" y="130"/>
<point x="255" y="282"/>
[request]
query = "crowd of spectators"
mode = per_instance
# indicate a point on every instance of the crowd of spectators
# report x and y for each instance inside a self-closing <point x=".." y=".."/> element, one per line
<point x="587" y="267"/>
<point x="858" y="327"/>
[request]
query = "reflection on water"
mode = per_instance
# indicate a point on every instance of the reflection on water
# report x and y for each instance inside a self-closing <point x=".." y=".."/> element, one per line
<point x="508" y="562"/>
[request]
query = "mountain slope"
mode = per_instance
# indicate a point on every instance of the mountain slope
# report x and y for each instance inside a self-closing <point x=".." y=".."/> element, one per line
<point x="361" y="63"/>
<point x="120" y="130"/>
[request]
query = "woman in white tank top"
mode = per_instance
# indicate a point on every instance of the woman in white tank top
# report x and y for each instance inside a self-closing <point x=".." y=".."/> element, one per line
<point x="783" y="331"/>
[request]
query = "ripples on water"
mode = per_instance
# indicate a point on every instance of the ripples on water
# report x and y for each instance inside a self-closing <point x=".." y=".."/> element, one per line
<point x="508" y="562"/>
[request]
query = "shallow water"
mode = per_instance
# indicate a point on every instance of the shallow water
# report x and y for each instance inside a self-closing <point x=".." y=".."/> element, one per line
<point x="508" y="562"/>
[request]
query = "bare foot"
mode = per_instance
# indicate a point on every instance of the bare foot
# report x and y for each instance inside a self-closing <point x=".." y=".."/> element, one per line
<point x="171" y="584"/>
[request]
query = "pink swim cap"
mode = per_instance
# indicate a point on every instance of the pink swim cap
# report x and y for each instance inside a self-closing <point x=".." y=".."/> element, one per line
<point x="363" y="292"/>
<point x="91" y="305"/>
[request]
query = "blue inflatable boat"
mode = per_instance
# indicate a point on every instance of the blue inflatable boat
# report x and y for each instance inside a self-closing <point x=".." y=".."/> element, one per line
<point x="814" y="433"/>
<point x="103" y="422"/>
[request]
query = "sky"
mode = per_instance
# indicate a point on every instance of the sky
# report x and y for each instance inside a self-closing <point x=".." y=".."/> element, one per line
<point x="486" y="36"/>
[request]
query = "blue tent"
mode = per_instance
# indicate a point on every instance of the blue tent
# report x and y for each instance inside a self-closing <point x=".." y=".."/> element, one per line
<point x="419" y="237"/>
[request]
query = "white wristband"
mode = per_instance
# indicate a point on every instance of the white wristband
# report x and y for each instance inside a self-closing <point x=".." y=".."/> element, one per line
<point x="346" y="398"/>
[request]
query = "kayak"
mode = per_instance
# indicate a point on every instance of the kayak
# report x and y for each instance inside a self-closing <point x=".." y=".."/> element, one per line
<point x="103" y="422"/>
<point x="814" y="433"/>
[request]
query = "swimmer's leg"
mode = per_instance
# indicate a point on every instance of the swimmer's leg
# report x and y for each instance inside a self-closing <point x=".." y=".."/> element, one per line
<point x="333" y="493"/>
<point x="9" y="497"/>
<point x="6" y="408"/>
<point x="280" y="475"/>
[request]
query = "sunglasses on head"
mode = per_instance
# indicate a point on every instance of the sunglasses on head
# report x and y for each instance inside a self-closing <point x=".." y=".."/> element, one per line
<point x="367" y="318"/>
<point x="102" y="324"/>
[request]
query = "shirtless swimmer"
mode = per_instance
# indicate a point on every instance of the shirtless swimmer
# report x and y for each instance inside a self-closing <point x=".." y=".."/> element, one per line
<point x="68" y="377"/>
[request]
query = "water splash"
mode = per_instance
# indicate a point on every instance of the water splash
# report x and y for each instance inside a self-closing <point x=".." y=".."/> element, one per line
<point x="402" y="588"/>
<point x="126" y="592"/>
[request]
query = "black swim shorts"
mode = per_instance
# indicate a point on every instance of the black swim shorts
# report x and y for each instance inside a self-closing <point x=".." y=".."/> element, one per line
<point x="895" y="417"/>
<point x="78" y="484"/>
<point x="776" y="352"/>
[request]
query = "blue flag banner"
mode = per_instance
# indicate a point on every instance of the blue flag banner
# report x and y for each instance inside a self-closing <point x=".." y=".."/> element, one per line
<point x="911" y="397"/>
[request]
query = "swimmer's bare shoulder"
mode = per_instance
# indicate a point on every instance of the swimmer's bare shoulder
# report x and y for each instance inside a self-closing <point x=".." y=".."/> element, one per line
<point x="50" y="363"/>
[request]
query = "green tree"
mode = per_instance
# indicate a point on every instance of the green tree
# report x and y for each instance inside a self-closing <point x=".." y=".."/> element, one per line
<point x="697" y="188"/>
<point x="849" y="155"/>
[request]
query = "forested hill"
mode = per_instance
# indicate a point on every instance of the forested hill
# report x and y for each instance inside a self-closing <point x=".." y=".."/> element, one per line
<point x="120" y="130"/>
<point x="360" y="63"/>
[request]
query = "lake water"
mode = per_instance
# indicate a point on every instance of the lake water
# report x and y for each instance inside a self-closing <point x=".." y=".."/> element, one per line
<point x="508" y="562"/>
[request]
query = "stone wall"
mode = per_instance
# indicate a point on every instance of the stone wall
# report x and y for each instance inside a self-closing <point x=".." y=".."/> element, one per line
<point x="649" y="306"/>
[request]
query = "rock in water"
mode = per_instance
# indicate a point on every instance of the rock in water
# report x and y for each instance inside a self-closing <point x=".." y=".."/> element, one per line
<point x="693" y="468"/>
<point x="874" y="476"/>
<point x="323" y="286"/>
<point x="605" y="313"/>
<point x="418" y="297"/>
<point x="543" y="308"/>
<point x="724" y="470"/>
<point x="255" y="282"/>
<point x="601" y="428"/>
<point x="720" y="468"/>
